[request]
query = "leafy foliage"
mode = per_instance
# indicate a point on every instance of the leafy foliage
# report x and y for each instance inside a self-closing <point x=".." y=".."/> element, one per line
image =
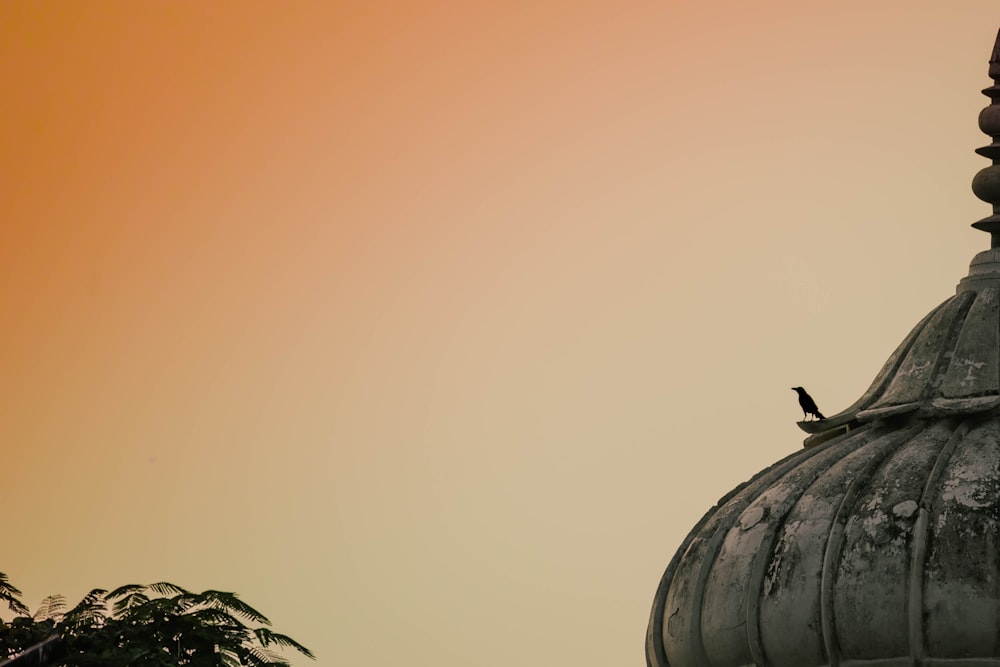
<point x="22" y="633"/>
<point x="11" y="596"/>
<point x="51" y="607"/>
<point x="152" y="625"/>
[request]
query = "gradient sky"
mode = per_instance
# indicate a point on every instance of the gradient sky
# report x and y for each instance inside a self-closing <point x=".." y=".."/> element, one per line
<point x="432" y="328"/>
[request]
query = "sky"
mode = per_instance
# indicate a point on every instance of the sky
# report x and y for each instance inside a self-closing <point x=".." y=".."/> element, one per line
<point x="431" y="328"/>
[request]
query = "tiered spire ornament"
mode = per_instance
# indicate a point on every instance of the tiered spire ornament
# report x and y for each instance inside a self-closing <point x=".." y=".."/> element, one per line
<point x="986" y="184"/>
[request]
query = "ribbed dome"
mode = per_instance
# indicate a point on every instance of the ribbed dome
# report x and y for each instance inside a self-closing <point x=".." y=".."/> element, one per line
<point x="879" y="542"/>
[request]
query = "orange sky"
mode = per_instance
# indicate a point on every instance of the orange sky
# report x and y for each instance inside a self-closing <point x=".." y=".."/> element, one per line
<point x="431" y="328"/>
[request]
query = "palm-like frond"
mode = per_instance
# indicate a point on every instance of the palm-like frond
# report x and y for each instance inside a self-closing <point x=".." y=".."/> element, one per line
<point x="167" y="588"/>
<point x="216" y="617"/>
<point x="232" y="603"/>
<point x="125" y="590"/>
<point x="266" y="638"/>
<point x="261" y="657"/>
<point x="89" y="612"/>
<point x="10" y="595"/>
<point x="52" y="607"/>
<point x="129" y="602"/>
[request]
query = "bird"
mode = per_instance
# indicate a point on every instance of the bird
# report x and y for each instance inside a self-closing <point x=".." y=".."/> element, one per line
<point x="808" y="404"/>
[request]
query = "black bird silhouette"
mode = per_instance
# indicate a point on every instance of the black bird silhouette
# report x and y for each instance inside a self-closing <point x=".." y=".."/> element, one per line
<point x="808" y="404"/>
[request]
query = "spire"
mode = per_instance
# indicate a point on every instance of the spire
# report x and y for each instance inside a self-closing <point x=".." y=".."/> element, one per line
<point x="986" y="184"/>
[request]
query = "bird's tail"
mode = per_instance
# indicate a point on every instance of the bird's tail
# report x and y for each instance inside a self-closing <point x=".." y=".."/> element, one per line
<point x="820" y="415"/>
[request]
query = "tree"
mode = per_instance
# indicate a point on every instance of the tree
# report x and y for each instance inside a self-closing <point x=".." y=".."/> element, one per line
<point x="150" y="625"/>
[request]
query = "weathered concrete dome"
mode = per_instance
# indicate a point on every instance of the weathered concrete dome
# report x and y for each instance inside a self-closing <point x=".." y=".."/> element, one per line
<point x="879" y="542"/>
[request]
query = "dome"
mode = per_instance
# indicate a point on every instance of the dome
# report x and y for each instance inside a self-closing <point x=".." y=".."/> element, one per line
<point x="878" y="543"/>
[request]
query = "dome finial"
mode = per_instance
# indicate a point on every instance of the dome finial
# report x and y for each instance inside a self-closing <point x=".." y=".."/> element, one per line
<point x="986" y="184"/>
